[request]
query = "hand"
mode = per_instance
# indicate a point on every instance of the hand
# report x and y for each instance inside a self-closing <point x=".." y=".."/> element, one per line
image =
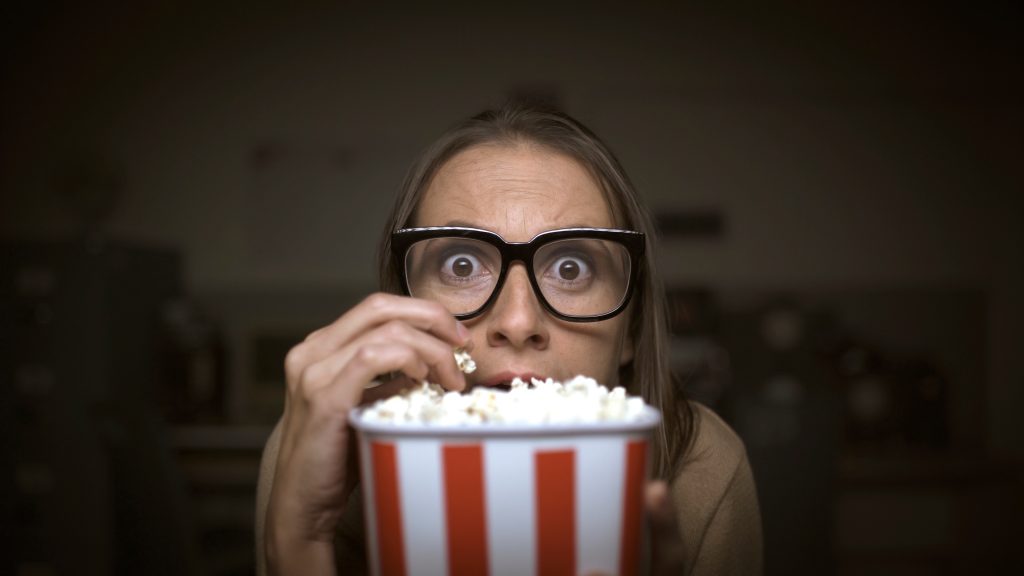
<point x="326" y="376"/>
<point x="667" y="554"/>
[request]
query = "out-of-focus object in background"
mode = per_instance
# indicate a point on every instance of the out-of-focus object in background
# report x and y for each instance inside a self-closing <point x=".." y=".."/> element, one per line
<point x="93" y="187"/>
<point x="193" y="390"/>
<point x="785" y="407"/>
<point x="892" y="403"/>
<point x="96" y="489"/>
<point x="924" y="395"/>
<point x="869" y="399"/>
<point x="699" y="364"/>
<point x="782" y="328"/>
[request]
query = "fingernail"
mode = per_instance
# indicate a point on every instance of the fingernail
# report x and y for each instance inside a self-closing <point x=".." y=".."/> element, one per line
<point x="462" y="331"/>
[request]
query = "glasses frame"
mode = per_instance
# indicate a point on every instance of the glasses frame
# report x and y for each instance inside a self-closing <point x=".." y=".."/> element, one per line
<point x="402" y="240"/>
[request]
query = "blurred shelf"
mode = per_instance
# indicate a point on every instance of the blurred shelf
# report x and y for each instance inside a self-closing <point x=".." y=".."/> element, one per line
<point x="224" y="511"/>
<point x="220" y="466"/>
<point x="926" y="513"/>
<point x="921" y="468"/>
<point x="229" y="553"/>
<point x="245" y="438"/>
<point x="242" y="561"/>
<point x="210" y="473"/>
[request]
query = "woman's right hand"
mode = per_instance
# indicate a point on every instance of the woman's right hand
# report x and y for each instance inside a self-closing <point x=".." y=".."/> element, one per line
<point x="326" y="375"/>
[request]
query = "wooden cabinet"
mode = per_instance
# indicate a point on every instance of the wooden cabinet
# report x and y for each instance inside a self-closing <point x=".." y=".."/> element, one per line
<point x="94" y="489"/>
<point x="220" y="467"/>
<point x="927" y="514"/>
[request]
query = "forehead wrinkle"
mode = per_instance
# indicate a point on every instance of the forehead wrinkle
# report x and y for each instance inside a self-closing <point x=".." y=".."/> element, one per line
<point x="514" y="184"/>
<point x="605" y="216"/>
<point x="509" y="191"/>
<point x="528" y="194"/>
<point x="503" y="175"/>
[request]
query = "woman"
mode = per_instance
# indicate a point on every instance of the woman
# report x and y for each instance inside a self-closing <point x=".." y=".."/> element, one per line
<point x="517" y="174"/>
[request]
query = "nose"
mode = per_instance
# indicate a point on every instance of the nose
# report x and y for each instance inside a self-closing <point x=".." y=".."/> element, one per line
<point x="517" y="317"/>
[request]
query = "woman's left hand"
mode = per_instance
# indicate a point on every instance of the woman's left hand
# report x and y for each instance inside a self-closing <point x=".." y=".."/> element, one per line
<point x="667" y="555"/>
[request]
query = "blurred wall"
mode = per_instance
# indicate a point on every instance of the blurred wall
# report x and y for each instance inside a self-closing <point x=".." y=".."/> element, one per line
<point x="853" y="148"/>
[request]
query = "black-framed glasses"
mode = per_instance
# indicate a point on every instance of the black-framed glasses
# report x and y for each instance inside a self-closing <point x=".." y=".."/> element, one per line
<point x="578" y="274"/>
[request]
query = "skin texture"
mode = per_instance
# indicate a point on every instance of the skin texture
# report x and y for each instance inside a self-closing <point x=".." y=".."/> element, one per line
<point x="517" y="191"/>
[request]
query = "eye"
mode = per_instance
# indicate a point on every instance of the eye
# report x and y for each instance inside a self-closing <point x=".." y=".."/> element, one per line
<point x="570" y="269"/>
<point x="461" y="265"/>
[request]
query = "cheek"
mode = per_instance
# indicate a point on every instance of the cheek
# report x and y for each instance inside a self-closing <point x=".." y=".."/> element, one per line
<point x="593" y="350"/>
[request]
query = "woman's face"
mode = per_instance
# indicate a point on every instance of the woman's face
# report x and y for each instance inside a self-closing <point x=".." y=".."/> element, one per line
<point x="519" y="191"/>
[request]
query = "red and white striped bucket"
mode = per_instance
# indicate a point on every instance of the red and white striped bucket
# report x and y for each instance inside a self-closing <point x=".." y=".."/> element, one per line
<point x="505" y="500"/>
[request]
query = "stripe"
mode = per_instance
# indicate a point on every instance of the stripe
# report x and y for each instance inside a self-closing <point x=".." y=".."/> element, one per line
<point x="511" y="518"/>
<point x="370" y="512"/>
<point x="422" y="497"/>
<point x="465" y="506"/>
<point x="389" y="510"/>
<point x="599" y="516"/>
<point x="632" y="507"/>
<point x="556" y="513"/>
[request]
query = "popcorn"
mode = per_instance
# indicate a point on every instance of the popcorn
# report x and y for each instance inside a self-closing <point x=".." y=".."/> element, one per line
<point x="580" y="400"/>
<point x="464" y="361"/>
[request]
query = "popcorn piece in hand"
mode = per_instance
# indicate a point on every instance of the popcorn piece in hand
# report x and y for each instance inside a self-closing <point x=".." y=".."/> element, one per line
<point x="464" y="361"/>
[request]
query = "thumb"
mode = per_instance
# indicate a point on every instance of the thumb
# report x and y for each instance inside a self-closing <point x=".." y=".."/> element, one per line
<point x="667" y="554"/>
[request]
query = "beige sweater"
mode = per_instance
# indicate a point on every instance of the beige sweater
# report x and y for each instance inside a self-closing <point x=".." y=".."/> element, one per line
<point x="714" y="497"/>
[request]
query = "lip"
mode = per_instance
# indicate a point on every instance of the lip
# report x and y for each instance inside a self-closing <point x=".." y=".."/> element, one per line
<point x="504" y="379"/>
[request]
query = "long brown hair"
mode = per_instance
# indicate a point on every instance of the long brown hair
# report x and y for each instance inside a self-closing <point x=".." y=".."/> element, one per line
<point x="648" y="374"/>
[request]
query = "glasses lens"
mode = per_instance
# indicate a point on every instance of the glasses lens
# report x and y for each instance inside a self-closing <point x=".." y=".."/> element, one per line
<point x="583" y="276"/>
<point x="457" y="272"/>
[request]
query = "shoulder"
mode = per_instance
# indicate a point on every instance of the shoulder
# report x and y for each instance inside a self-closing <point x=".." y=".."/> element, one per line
<point x="709" y="472"/>
<point x="716" y="454"/>
<point x="716" y="449"/>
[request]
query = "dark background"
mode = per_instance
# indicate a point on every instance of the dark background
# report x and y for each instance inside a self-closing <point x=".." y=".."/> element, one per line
<point x="189" y="188"/>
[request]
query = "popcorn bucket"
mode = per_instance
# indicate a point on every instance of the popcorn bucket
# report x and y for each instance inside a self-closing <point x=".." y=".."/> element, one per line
<point x="505" y="499"/>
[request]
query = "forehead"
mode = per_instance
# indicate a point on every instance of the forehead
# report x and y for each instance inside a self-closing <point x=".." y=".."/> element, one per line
<point x="516" y="190"/>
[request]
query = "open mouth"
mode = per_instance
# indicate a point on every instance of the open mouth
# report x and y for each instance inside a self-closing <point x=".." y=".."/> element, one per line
<point x="504" y="386"/>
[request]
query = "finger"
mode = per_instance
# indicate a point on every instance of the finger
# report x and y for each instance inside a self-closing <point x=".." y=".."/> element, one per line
<point x="387" y="387"/>
<point x="345" y="391"/>
<point x="667" y="554"/>
<point x="310" y="408"/>
<point x="659" y="507"/>
<point x="373" y="311"/>
<point x="380" y="308"/>
<point x="435" y="353"/>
